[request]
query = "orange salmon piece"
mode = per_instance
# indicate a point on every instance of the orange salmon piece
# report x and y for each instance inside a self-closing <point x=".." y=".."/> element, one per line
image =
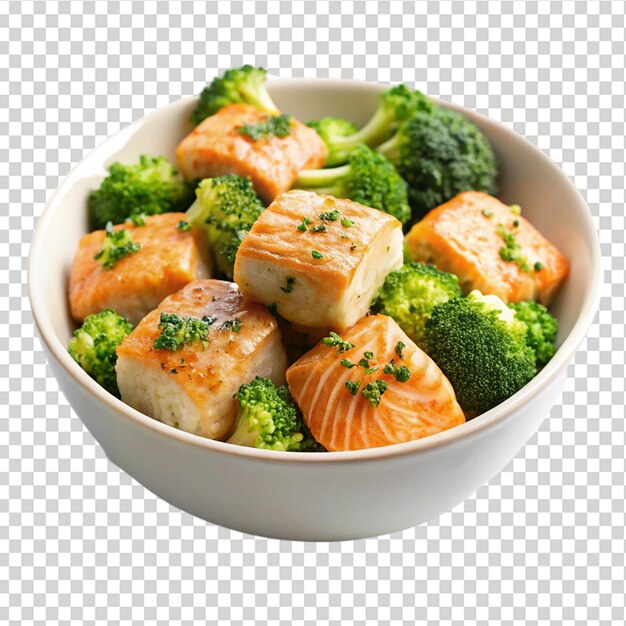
<point x="318" y="279"/>
<point x="167" y="260"/>
<point x="461" y="237"/>
<point x="423" y="405"/>
<point x="215" y="148"/>
<point x="192" y="388"/>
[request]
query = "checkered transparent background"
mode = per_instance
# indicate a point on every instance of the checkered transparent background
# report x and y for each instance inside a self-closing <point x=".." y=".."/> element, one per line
<point x="81" y="542"/>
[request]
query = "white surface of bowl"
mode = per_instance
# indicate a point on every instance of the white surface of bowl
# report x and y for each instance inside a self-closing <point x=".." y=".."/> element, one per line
<point x="334" y="496"/>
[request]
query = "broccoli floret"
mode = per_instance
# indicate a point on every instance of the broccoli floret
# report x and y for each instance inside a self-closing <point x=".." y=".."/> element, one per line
<point x="176" y="331"/>
<point x="269" y="418"/>
<point x="245" y="84"/>
<point x="410" y="294"/>
<point x="440" y="154"/>
<point x="225" y="208"/>
<point x="117" y="244"/>
<point x="541" y="329"/>
<point x="368" y="178"/>
<point x="330" y="129"/>
<point x="481" y="348"/>
<point x="276" y="125"/>
<point x="151" y="186"/>
<point x="93" y="346"/>
<point x="395" y="106"/>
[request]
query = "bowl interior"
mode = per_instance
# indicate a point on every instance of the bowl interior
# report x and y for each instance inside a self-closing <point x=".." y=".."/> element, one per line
<point x="528" y="178"/>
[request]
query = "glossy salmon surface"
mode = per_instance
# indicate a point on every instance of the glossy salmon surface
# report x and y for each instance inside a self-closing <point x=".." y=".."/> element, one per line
<point x="465" y="237"/>
<point x="192" y="388"/>
<point x="215" y="147"/>
<point x="423" y="405"/>
<point x="168" y="259"/>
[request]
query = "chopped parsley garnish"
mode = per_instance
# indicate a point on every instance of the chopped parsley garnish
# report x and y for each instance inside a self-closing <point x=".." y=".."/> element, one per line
<point x="365" y="363"/>
<point x="353" y="386"/>
<point x="184" y="226"/>
<point x="538" y="266"/>
<point x="335" y="340"/>
<point x="330" y="216"/>
<point x="316" y="255"/>
<point x="276" y="125"/>
<point x="401" y="374"/>
<point x="399" y="348"/>
<point x="177" y="331"/>
<point x="346" y="222"/>
<point x="515" y="223"/>
<point x="516" y="209"/>
<point x="288" y="288"/>
<point x="303" y="224"/>
<point x="138" y="220"/>
<point x="273" y="308"/>
<point x="368" y="355"/>
<point x="487" y="213"/>
<point x="318" y="229"/>
<point x="234" y="325"/>
<point x="352" y="247"/>
<point x="347" y="363"/>
<point x="116" y="246"/>
<point x="512" y="251"/>
<point x="373" y="391"/>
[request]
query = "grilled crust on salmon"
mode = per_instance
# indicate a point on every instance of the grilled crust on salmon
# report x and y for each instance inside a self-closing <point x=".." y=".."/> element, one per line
<point x="318" y="279"/>
<point x="215" y="148"/>
<point x="167" y="260"/>
<point x="192" y="388"/>
<point x="461" y="237"/>
<point x="422" y="406"/>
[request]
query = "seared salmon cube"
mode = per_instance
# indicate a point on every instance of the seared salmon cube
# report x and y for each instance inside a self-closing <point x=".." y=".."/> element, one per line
<point x="167" y="259"/>
<point x="371" y="387"/>
<point x="490" y="247"/>
<point x="217" y="147"/>
<point x="318" y="259"/>
<point x="191" y="387"/>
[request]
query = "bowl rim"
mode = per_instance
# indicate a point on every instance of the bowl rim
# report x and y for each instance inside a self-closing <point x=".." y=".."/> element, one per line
<point x="486" y="420"/>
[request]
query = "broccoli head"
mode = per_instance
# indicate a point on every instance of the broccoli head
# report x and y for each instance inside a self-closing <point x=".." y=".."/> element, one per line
<point x="330" y="129"/>
<point x="368" y="178"/>
<point x="225" y="209"/>
<point x="93" y="346"/>
<point x="149" y="187"/>
<point x="410" y="294"/>
<point x="541" y="329"/>
<point x="481" y="348"/>
<point x="269" y="418"/>
<point x="440" y="154"/>
<point x="395" y="105"/>
<point x="244" y="84"/>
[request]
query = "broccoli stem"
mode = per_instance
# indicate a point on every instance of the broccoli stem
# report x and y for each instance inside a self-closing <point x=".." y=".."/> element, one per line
<point x="261" y="98"/>
<point x="374" y="132"/>
<point x="390" y="149"/>
<point x="308" y="179"/>
<point x="244" y="434"/>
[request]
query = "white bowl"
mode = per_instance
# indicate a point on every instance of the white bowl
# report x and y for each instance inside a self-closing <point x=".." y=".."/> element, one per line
<point x="342" y="495"/>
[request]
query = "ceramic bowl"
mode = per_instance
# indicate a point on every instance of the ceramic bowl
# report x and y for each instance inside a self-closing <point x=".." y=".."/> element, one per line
<point x="335" y="496"/>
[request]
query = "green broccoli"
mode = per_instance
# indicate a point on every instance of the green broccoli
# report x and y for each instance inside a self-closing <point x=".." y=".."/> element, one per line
<point x="481" y="348"/>
<point x="368" y="178"/>
<point x="269" y="418"/>
<point x="396" y="105"/>
<point x="245" y="84"/>
<point x="440" y="153"/>
<point x="273" y="125"/>
<point x="117" y="244"/>
<point x="151" y="186"/>
<point x="410" y="294"/>
<point x="176" y="331"/>
<point x="541" y="329"/>
<point x="330" y="129"/>
<point x="225" y="208"/>
<point x="93" y="346"/>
